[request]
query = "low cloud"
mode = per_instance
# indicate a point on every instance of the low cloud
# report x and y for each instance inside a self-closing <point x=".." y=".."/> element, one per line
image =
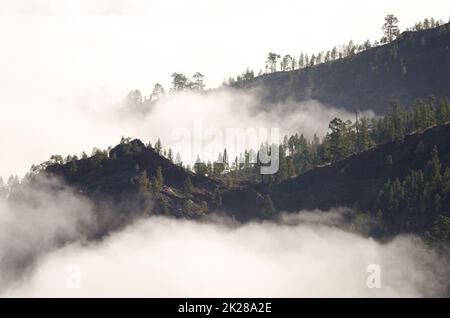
<point x="162" y="257"/>
<point x="94" y="120"/>
<point x="36" y="220"/>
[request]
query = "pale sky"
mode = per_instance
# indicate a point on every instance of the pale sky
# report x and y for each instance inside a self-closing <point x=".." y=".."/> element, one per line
<point x="55" y="54"/>
<point x="120" y="45"/>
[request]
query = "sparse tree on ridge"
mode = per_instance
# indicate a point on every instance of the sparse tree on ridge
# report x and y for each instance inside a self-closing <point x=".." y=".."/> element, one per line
<point x="301" y="61"/>
<point x="178" y="160"/>
<point x="134" y="98"/>
<point x="158" y="91"/>
<point x="271" y="63"/>
<point x="286" y="63"/>
<point x="199" y="81"/>
<point x="170" y="155"/>
<point x="390" y="28"/>
<point x="180" y="82"/>
<point x="334" y="53"/>
<point x="158" y="146"/>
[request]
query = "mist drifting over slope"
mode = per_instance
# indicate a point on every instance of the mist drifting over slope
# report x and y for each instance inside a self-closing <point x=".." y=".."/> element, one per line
<point x="36" y="220"/>
<point x="69" y="125"/>
<point x="162" y="257"/>
<point x="301" y="255"/>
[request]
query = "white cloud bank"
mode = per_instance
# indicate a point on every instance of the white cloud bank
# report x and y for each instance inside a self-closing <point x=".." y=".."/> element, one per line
<point x="38" y="220"/>
<point x="41" y="125"/>
<point x="160" y="257"/>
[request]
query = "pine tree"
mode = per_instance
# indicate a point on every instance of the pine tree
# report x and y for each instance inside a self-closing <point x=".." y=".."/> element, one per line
<point x="339" y="143"/>
<point x="3" y="189"/>
<point x="396" y="122"/>
<point x="443" y="111"/>
<point x="170" y="155"/>
<point x="390" y="28"/>
<point x="268" y="209"/>
<point x="188" y="188"/>
<point x="159" y="178"/>
<point x="446" y="181"/>
<point x="433" y="170"/>
<point x="158" y="147"/>
<point x="441" y="228"/>
<point x="142" y="181"/>
<point x="73" y="167"/>
<point x="217" y="198"/>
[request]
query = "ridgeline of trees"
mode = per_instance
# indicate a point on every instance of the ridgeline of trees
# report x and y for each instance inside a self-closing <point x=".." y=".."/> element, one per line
<point x="297" y="154"/>
<point x="405" y="69"/>
<point x="180" y="83"/>
<point x="345" y="138"/>
<point x="415" y="202"/>
<point x="291" y="62"/>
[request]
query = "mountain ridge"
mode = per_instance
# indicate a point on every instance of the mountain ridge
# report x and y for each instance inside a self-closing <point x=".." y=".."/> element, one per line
<point x="127" y="177"/>
<point x="416" y="64"/>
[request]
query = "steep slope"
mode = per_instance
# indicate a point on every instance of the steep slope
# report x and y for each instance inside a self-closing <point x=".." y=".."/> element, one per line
<point x="124" y="180"/>
<point x="368" y="184"/>
<point x="111" y="175"/>
<point x="415" y="65"/>
<point x="356" y="181"/>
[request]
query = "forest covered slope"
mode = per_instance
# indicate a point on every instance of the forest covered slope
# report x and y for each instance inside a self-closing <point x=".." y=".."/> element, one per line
<point x="416" y="64"/>
<point x="406" y="183"/>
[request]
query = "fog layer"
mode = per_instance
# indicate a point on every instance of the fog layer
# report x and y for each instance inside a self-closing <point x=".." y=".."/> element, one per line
<point x="303" y="255"/>
<point x="36" y="220"/>
<point x="69" y="125"/>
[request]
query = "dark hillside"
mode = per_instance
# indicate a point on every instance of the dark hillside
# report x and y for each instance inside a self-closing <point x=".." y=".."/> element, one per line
<point x="110" y="176"/>
<point x="407" y="181"/>
<point x="417" y="64"/>
<point x="356" y="181"/>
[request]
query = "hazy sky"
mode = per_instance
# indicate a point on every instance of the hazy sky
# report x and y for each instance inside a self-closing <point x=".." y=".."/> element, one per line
<point x="120" y="45"/>
<point x="63" y="64"/>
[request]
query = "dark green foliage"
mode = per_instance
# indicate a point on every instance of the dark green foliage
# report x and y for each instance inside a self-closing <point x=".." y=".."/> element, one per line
<point x="415" y="201"/>
<point x="268" y="209"/>
<point x="159" y="178"/>
<point x="158" y="147"/>
<point x="443" y="111"/>
<point x="395" y="122"/>
<point x="390" y="29"/>
<point x="217" y="198"/>
<point x="200" y="167"/>
<point x="339" y="140"/>
<point x="344" y="139"/>
<point x="164" y="206"/>
<point x="441" y="228"/>
<point x="188" y="187"/>
<point x="142" y="181"/>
